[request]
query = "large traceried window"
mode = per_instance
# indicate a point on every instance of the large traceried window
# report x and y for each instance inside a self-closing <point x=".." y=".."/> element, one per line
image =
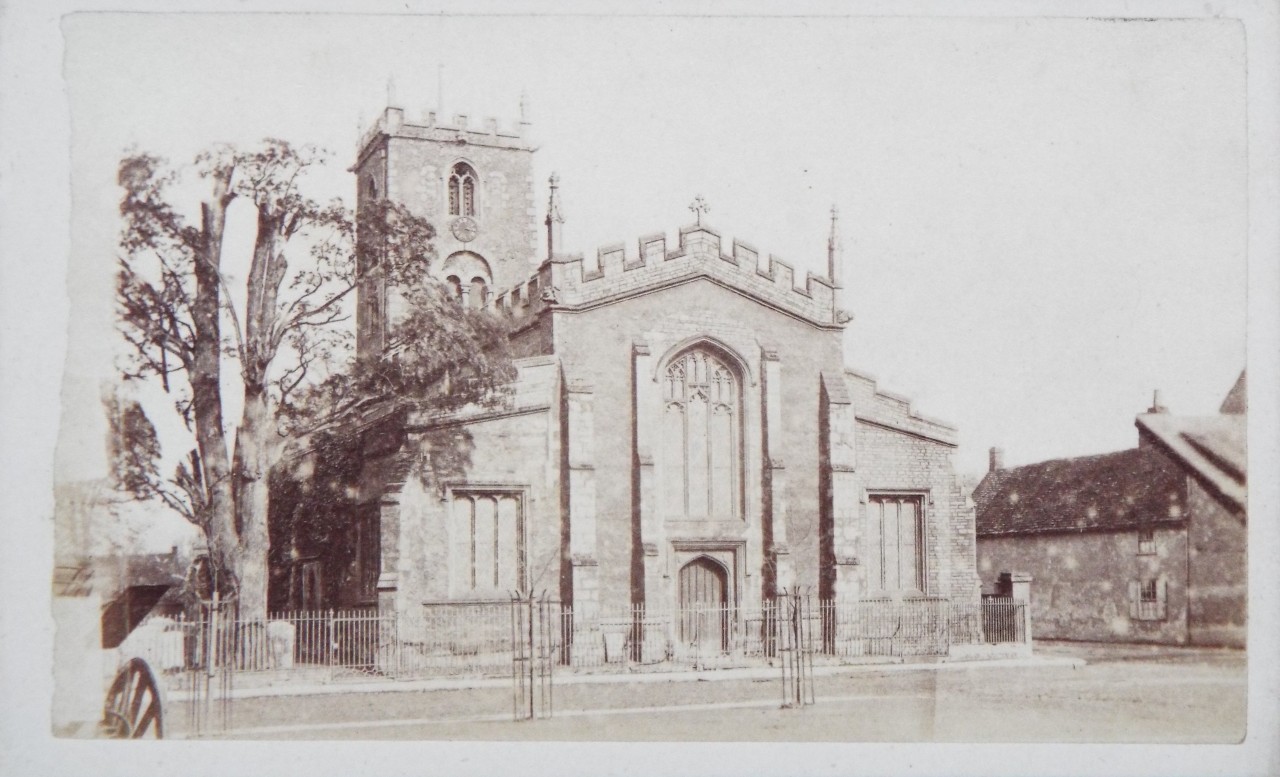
<point x="701" y="458"/>
<point x="462" y="190"/>
<point x="895" y="544"/>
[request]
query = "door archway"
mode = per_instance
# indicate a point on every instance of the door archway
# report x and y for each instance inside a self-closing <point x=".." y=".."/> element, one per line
<point x="704" y="602"/>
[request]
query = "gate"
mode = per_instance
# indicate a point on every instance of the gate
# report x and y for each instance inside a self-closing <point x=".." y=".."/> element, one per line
<point x="792" y="616"/>
<point x="535" y="647"/>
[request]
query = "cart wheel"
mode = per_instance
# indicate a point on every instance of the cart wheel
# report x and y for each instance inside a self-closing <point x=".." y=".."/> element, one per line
<point x="133" y="709"/>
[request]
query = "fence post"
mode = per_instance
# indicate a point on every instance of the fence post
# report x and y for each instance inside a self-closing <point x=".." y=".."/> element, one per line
<point x="1017" y="586"/>
<point x="330" y="640"/>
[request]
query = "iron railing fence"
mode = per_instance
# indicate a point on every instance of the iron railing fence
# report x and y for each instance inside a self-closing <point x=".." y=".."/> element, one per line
<point x="1003" y="620"/>
<point x="876" y="627"/>
<point x="485" y="638"/>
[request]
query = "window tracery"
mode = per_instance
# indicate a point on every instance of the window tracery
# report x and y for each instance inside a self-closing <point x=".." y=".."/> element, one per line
<point x="462" y="190"/>
<point x="701" y="445"/>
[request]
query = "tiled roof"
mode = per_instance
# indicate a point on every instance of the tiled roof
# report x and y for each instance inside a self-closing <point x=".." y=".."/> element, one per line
<point x="1212" y="447"/>
<point x="1111" y="491"/>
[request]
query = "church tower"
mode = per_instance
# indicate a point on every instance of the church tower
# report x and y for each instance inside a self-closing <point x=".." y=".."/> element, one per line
<point x="474" y="184"/>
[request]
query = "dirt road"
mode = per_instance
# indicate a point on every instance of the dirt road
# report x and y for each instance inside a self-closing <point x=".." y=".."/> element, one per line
<point x="1120" y="696"/>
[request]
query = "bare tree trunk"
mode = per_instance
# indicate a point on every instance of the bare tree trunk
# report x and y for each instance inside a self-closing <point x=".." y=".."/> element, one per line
<point x="206" y="376"/>
<point x="256" y="435"/>
<point x="254" y="439"/>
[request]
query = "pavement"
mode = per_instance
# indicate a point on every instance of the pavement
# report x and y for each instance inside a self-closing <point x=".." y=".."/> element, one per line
<point x="303" y="685"/>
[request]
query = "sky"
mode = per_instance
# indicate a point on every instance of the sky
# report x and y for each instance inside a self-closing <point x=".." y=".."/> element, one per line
<point x="1043" y="220"/>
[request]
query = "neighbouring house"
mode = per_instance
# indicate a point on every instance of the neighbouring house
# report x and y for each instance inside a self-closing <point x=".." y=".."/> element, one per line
<point x="1141" y="545"/>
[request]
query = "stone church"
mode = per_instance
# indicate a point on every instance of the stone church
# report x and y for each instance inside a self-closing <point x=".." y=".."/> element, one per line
<point x="683" y="430"/>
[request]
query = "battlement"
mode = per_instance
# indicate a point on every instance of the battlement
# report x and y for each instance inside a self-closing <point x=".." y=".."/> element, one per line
<point x="885" y="408"/>
<point x="461" y="129"/>
<point x="619" y="270"/>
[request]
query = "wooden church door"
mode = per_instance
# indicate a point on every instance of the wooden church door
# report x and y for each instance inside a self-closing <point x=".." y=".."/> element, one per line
<point x="704" y="601"/>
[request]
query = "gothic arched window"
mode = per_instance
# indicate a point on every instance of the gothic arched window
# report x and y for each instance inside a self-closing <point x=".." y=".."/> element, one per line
<point x="701" y="451"/>
<point x="462" y="190"/>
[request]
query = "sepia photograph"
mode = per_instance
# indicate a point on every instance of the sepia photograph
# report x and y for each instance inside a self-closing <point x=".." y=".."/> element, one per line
<point x="747" y="383"/>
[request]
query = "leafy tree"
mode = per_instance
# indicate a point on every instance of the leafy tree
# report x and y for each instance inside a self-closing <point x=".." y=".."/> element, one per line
<point x="285" y="331"/>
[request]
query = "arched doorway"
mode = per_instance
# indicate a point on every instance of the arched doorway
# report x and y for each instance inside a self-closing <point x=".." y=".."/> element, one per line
<point x="704" y="603"/>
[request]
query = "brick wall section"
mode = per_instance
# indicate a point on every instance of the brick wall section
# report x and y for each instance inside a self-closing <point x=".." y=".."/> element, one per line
<point x="1217" y="569"/>
<point x="1082" y="582"/>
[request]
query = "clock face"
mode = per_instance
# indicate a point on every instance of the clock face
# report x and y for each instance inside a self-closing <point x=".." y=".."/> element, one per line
<point x="465" y="228"/>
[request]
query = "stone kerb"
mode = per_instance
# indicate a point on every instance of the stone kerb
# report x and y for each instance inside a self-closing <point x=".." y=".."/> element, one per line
<point x="616" y="271"/>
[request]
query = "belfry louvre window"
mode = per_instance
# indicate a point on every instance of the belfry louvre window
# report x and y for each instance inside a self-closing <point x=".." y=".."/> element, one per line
<point x="462" y="190"/>
<point x="895" y="544"/>
<point x="700" y="438"/>
<point x="486" y="542"/>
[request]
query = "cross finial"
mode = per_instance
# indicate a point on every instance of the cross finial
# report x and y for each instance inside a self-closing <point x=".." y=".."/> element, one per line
<point x="699" y="207"/>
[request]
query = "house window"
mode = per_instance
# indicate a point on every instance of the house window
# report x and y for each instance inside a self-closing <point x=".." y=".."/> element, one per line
<point x="701" y="457"/>
<point x="487" y="553"/>
<point x="895" y="544"/>
<point x="1148" y="599"/>
<point x="462" y="190"/>
<point x="1146" y="542"/>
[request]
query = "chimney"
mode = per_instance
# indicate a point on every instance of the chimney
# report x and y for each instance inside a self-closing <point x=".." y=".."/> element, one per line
<point x="1156" y="407"/>
<point x="997" y="459"/>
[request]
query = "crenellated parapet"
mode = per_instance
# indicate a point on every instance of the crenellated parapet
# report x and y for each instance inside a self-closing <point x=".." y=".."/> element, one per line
<point x="620" y="270"/>
<point x="529" y="297"/>
<point x="877" y="406"/>
<point x="460" y="130"/>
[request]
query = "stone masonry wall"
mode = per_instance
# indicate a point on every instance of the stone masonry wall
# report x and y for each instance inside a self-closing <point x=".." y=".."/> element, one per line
<point x="1218" y="571"/>
<point x="1081" y="586"/>
<point x="890" y="460"/>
